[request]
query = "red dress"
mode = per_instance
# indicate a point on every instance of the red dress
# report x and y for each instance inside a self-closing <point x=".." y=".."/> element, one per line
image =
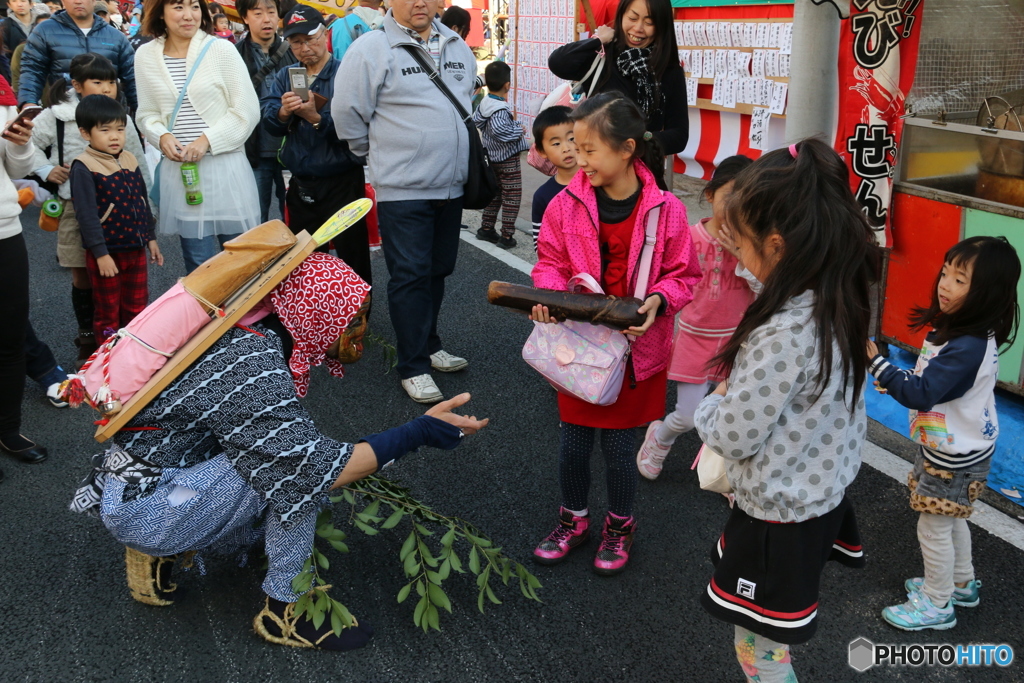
<point x="636" y="406"/>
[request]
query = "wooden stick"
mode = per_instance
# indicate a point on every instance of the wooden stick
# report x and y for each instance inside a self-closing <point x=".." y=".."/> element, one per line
<point x="588" y="12"/>
<point x="613" y="311"/>
<point x="235" y="308"/>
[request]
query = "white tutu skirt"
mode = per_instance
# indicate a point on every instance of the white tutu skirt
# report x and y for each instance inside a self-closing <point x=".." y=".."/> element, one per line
<point x="230" y="205"/>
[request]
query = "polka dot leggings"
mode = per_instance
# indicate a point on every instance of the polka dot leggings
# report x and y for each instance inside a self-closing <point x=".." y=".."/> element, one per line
<point x="619" y="449"/>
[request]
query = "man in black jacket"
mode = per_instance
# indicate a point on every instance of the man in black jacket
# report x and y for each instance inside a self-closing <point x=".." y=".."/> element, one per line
<point x="264" y="53"/>
<point x="18" y="24"/>
<point x="325" y="174"/>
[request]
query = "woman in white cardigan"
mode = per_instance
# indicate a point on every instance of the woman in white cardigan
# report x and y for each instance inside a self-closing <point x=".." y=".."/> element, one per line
<point x="219" y="111"/>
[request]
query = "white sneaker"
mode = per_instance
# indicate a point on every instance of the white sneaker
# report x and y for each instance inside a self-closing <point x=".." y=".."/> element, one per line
<point x="422" y="389"/>
<point x="53" y="395"/>
<point x="442" y="361"/>
<point x="652" y="453"/>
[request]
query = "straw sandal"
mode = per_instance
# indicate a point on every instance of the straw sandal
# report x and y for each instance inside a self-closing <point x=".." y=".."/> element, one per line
<point x="289" y="624"/>
<point x="149" y="577"/>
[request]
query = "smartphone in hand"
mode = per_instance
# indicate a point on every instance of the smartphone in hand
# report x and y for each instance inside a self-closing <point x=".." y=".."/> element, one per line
<point x="299" y="82"/>
<point x="26" y="115"/>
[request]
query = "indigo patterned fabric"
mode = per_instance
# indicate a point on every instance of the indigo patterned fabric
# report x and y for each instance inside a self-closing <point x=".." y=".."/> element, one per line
<point x="208" y="508"/>
<point x="239" y="400"/>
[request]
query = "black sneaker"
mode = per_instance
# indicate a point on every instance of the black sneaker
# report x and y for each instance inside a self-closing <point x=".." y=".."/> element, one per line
<point x="507" y="242"/>
<point x="486" y="235"/>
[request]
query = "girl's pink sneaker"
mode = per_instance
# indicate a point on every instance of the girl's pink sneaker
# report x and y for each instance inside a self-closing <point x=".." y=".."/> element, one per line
<point x="571" y="532"/>
<point x="616" y="541"/>
<point x="652" y="453"/>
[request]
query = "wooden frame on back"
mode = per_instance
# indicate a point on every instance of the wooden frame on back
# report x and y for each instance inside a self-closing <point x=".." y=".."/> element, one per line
<point x="236" y="307"/>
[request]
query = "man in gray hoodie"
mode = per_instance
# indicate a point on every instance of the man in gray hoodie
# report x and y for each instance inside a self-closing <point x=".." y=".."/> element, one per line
<point x="417" y="152"/>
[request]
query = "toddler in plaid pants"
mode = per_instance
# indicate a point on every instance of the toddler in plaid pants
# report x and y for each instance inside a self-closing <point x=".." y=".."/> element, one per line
<point x="110" y="199"/>
<point x="505" y="140"/>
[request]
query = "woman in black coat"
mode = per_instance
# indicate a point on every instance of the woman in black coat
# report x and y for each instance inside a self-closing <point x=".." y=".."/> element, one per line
<point x="642" y="62"/>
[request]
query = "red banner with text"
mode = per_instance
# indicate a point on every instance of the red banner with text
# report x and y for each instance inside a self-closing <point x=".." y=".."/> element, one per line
<point x="877" y="59"/>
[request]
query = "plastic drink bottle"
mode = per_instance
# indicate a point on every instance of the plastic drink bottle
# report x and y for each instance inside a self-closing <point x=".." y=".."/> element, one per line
<point x="190" y="179"/>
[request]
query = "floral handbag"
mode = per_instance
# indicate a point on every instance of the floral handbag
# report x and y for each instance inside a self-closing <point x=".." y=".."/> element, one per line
<point x="583" y="359"/>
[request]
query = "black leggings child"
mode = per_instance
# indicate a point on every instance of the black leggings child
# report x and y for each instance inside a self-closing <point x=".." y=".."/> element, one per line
<point x="619" y="449"/>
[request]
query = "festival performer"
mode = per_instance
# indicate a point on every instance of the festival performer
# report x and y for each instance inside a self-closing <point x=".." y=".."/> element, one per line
<point x="226" y="455"/>
<point x="596" y="226"/>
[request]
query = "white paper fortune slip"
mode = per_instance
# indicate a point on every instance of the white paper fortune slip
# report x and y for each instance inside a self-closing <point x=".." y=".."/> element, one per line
<point x="757" y="64"/>
<point x="699" y="35"/>
<point x="778" y="105"/>
<point x="729" y="92"/>
<point x="709" y="63"/>
<point x="786" y="39"/>
<point x="696" y="64"/>
<point x="691" y="92"/>
<point x="759" y="127"/>
<point x="736" y="28"/>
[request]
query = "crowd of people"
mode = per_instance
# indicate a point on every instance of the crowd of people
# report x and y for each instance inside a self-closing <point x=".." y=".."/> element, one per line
<point x="760" y="313"/>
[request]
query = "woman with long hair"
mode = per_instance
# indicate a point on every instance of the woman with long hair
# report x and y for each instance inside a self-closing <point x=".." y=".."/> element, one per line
<point x="642" y="62"/>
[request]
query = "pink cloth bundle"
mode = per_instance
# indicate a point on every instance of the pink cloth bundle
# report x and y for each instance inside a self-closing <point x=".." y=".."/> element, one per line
<point x="166" y="325"/>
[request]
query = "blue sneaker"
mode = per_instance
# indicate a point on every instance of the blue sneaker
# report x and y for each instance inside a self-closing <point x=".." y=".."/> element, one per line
<point x="919" y="613"/>
<point x="962" y="597"/>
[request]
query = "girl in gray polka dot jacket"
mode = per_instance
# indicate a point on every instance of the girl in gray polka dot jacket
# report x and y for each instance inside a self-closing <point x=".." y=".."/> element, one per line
<point x="790" y="418"/>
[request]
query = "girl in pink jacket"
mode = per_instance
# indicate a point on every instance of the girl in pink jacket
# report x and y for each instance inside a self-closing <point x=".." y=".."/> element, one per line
<point x="596" y="226"/>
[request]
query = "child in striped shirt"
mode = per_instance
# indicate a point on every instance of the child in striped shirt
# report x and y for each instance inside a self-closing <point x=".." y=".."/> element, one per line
<point x="505" y="139"/>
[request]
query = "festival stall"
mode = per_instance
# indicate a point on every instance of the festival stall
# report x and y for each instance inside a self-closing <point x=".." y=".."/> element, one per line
<point x="960" y="175"/>
<point x="536" y="28"/>
<point x="957" y="172"/>
<point x="737" y="58"/>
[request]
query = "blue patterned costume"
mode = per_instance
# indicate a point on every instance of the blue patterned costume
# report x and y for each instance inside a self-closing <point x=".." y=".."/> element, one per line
<point x="224" y="456"/>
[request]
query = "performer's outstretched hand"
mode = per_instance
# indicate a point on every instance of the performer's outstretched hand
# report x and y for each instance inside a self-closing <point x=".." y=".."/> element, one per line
<point x="468" y="425"/>
<point x="376" y="451"/>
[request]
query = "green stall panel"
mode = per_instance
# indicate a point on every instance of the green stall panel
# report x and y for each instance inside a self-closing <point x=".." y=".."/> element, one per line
<point x="977" y="223"/>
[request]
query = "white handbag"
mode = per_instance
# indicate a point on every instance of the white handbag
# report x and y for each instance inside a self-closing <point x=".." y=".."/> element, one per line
<point x="710" y="468"/>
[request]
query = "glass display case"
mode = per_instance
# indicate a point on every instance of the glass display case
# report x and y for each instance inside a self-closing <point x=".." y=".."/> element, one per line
<point x="952" y="159"/>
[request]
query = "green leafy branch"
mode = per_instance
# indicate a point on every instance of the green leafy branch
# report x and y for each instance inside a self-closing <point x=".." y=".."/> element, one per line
<point x="315" y="602"/>
<point x="389" y="350"/>
<point x="426" y="569"/>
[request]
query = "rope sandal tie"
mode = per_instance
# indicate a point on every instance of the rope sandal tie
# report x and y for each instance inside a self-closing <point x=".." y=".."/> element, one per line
<point x="288" y="624"/>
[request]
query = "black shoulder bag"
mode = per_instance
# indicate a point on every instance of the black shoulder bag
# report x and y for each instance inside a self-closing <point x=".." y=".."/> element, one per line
<point x="481" y="184"/>
<point x="270" y="65"/>
<point x="43" y="182"/>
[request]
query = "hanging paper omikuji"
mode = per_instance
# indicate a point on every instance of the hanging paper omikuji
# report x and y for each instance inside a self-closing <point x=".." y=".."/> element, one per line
<point x="877" y="60"/>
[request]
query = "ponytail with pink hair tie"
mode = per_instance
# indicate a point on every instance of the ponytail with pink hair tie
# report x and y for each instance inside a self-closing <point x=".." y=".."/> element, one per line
<point x="792" y="150"/>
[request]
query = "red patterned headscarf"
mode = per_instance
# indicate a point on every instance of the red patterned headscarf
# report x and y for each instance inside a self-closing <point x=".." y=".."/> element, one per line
<point x="315" y="304"/>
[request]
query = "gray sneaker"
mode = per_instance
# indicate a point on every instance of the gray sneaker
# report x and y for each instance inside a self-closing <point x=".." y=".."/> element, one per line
<point x="422" y="389"/>
<point x="442" y="361"/>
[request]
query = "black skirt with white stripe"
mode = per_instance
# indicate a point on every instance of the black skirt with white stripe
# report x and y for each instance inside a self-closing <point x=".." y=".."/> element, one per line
<point x="767" y="574"/>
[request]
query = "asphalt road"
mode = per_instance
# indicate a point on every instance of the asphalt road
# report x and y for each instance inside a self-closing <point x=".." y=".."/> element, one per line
<point x="67" y="616"/>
